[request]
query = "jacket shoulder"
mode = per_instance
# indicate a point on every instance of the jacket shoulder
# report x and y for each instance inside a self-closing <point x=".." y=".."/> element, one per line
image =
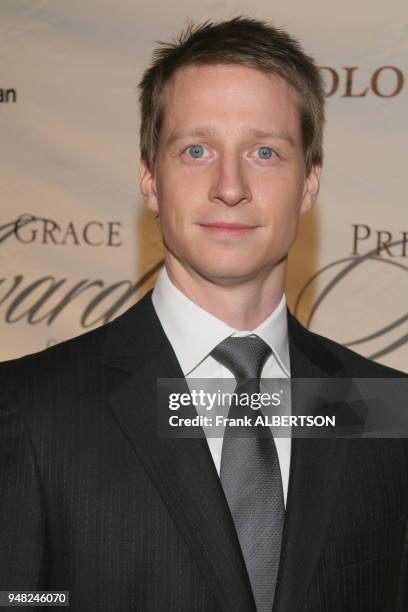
<point x="353" y="364"/>
<point x="62" y="353"/>
<point x="36" y="383"/>
<point x="77" y="363"/>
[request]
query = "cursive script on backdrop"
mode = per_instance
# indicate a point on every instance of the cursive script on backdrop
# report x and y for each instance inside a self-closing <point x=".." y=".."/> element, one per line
<point x="345" y="267"/>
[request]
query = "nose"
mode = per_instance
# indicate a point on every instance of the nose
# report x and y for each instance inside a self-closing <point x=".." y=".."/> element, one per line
<point x="229" y="184"/>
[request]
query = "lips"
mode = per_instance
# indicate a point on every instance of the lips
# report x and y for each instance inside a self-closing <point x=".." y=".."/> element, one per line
<point x="227" y="228"/>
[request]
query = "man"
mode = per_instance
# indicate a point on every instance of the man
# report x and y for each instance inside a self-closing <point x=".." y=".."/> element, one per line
<point x="93" y="500"/>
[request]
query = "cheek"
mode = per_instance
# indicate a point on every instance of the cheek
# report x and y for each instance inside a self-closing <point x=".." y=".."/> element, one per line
<point x="281" y="200"/>
<point x="182" y="198"/>
<point x="177" y="177"/>
<point x="174" y="213"/>
<point x="171" y="188"/>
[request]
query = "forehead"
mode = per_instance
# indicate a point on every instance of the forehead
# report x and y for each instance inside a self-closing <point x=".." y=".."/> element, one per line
<point x="229" y="96"/>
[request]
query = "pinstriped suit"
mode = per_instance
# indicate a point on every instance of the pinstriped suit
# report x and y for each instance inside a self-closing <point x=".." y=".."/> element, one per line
<point x="92" y="502"/>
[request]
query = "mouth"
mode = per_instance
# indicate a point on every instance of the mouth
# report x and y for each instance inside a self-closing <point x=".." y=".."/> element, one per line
<point x="228" y="229"/>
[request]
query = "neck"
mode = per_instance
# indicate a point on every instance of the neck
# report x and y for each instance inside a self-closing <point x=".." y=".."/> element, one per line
<point x="242" y="304"/>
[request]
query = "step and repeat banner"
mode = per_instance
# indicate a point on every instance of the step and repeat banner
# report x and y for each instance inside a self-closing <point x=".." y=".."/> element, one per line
<point x="77" y="245"/>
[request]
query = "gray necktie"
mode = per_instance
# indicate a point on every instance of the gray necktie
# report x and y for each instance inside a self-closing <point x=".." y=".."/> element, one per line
<point x="250" y="473"/>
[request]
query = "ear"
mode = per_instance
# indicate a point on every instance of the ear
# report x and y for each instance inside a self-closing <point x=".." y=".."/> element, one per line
<point x="147" y="185"/>
<point x="311" y="189"/>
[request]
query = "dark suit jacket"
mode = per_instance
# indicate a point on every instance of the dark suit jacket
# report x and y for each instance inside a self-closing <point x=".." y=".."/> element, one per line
<point x="94" y="503"/>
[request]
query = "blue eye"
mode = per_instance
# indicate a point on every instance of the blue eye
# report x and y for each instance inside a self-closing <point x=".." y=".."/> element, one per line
<point x="265" y="152"/>
<point x="196" y="151"/>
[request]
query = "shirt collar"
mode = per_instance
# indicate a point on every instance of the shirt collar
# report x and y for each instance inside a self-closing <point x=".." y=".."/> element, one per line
<point x="194" y="333"/>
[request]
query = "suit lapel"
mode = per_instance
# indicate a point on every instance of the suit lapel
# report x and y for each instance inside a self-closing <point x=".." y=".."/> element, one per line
<point x="182" y="470"/>
<point x="317" y="467"/>
<point x="184" y="475"/>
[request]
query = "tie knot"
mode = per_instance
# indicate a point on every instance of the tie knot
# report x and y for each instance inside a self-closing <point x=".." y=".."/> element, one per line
<point x="243" y="356"/>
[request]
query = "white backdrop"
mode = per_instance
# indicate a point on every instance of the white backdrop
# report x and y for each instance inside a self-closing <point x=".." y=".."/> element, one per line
<point x="85" y="247"/>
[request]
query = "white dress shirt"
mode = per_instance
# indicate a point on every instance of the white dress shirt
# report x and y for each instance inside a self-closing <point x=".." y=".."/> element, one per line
<point x="194" y="333"/>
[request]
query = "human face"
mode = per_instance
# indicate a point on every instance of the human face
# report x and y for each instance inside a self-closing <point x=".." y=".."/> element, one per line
<point x="229" y="182"/>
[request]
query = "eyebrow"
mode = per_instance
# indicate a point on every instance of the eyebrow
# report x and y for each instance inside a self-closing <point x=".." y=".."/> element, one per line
<point x="208" y="131"/>
<point x="200" y="132"/>
<point x="280" y="135"/>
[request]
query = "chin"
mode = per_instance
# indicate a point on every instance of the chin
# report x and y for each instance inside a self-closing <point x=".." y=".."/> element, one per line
<point x="226" y="275"/>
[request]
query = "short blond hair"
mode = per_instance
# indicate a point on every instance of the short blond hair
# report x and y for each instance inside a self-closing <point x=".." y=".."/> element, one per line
<point x="243" y="41"/>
